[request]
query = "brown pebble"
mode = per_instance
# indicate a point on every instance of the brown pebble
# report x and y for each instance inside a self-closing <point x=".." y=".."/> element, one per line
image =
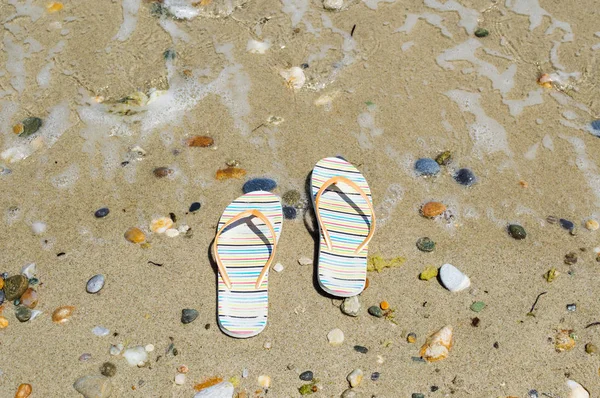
<point x="591" y="348"/>
<point x="62" y="314"/>
<point x="230" y="172"/>
<point x="30" y="298"/>
<point x="161" y="172"/>
<point x="135" y="235"/>
<point x="200" y="141"/>
<point x="475" y="322"/>
<point x="432" y="209"/>
<point x="23" y="391"/>
<point x="15" y="286"/>
<point x="571" y="258"/>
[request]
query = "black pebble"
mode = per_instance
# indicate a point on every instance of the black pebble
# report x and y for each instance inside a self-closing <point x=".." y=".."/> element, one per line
<point x="375" y="376"/>
<point x="496" y="345"/>
<point x="361" y="349"/>
<point x="566" y="224"/>
<point x="101" y="213"/>
<point x="195" y="207"/>
<point x="306" y="376"/>
<point x="475" y="322"/>
<point x="434" y="388"/>
<point x="188" y="315"/>
<point x="1" y="297"/>
<point x="289" y="213"/>
<point x="465" y="177"/>
<point x="304" y="66"/>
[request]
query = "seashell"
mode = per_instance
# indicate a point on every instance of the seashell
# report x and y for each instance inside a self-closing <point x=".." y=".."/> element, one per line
<point x="100" y="331"/>
<point x="230" y="172"/>
<point x="135" y="355"/>
<point x="29" y="270"/>
<point x="172" y="232"/>
<point x="577" y="390"/>
<point x="355" y="377"/>
<point x="432" y="209"/>
<point x="592" y="225"/>
<point x="453" y="279"/>
<point x="223" y="389"/>
<point x="34" y="314"/>
<point x="135" y="235"/>
<point x="160" y="225"/>
<point x="545" y="80"/>
<point x="95" y="284"/>
<point x="23" y="391"/>
<point x="564" y="341"/>
<point x="264" y="381"/>
<point x="180" y="379"/>
<point x="30" y="298"/>
<point x="294" y="77"/>
<point x="62" y="314"/>
<point x="3" y="322"/>
<point x="183" y="369"/>
<point x="199" y="141"/>
<point x="437" y="346"/>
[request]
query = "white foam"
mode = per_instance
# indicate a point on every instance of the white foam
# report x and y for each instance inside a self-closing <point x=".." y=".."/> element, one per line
<point x="58" y="48"/>
<point x="130" y="10"/>
<point x="295" y="9"/>
<point x="531" y="152"/>
<point x="487" y="134"/>
<point x="34" y="45"/>
<point x="596" y="46"/>
<point x="548" y="143"/>
<point x="586" y="165"/>
<point x="373" y="4"/>
<point x="258" y="47"/>
<point x="385" y="208"/>
<point x="432" y="19"/>
<point x="39" y="227"/>
<point x="25" y="9"/>
<point x="368" y="130"/>
<point x="15" y="64"/>
<point x="8" y="110"/>
<point x="569" y="115"/>
<point x="516" y="106"/>
<point x="173" y="30"/>
<point x="181" y="9"/>
<point x="406" y="46"/>
<point x="536" y="14"/>
<point x="468" y="16"/>
<point x="503" y="82"/>
<point x="44" y="75"/>
<point x="67" y="178"/>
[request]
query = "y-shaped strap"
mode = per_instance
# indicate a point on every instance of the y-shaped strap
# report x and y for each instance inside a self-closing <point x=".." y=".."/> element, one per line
<point x="335" y="180"/>
<point x="239" y="216"/>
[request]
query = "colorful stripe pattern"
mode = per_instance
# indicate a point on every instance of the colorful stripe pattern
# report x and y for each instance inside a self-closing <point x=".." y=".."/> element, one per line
<point x="244" y="248"/>
<point x="347" y="217"/>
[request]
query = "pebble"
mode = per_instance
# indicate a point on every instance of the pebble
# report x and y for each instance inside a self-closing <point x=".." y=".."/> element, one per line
<point x="592" y="225"/>
<point x="188" y="315"/>
<point x="101" y="213"/>
<point x="477" y="306"/>
<point x="278" y="267"/>
<point x="465" y="177"/>
<point x="135" y="356"/>
<point x="161" y="172"/>
<point x="150" y="348"/>
<point x="306" y="376"/>
<point x="533" y="394"/>
<point x="23" y="391"/>
<point x="595" y="124"/>
<point x="444" y="158"/>
<point x="22" y="313"/>
<point x="375" y="376"/>
<point x="375" y="311"/>
<point x="38" y="227"/>
<point x="264" y="381"/>
<point x="426" y="167"/>
<point x="566" y="224"/>
<point x="453" y="279"/>
<point x="29" y="299"/>
<point x="551" y="220"/>
<point x="333" y="5"/>
<point x="245" y="373"/>
<point x="172" y="233"/>
<point x="62" y="314"/>
<point x="335" y="337"/>
<point x="290" y="213"/>
<point x="108" y="369"/>
<point x="259" y="184"/>
<point x="100" y="331"/>
<point x="351" y="306"/>
<point x="305" y="261"/>
<point x="115" y="349"/>
<point x="161" y="225"/>
<point x="200" y="141"/>
<point x="425" y="245"/>
<point x="292" y="197"/>
<point x="411" y="338"/>
<point x="591" y="348"/>
<point x="349" y="393"/>
<point x="3" y="322"/>
<point x="230" y="172"/>
<point x="570" y="258"/>
<point x="432" y="209"/>
<point x="361" y="349"/>
<point x="29" y="270"/>
<point x="180" y="379"/>
<point x="355" y="377"/>
<point x="571" y="307"/>
<point x="85" y="357"/>
<point x="221" y="390"/>
<point x="481" y="32"/>
<point x="93" y="386"/>
<point x="194" y="207"/>
<point x="577" y="390"/>
<point x="15" y="286"/>
<point x="2" y="297"/>
<point x="135" y="235"/>
<point x="95" y="284"/>
<point x="28" y="126"/>
<point x="34" y="314"/>
<point x="267" y="345"/>
<point x="417" y="395"/>
<point x="517" y="231"/>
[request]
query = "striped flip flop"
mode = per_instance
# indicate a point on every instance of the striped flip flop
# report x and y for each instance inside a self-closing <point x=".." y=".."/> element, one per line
<point x="243" y="249"/>
<point x="346" y="218"/>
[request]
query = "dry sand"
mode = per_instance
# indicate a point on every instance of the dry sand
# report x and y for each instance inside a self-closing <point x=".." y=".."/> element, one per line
<point x="393" y="103"/>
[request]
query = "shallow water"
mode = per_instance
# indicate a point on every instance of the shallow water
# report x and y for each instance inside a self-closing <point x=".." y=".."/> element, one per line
<point x="386" y="84"/>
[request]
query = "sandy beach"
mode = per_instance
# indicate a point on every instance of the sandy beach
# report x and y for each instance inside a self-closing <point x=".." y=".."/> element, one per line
<point x="509" y="88"/>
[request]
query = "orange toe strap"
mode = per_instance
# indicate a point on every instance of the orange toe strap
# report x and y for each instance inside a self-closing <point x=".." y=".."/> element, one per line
<point x="327" y="184"/>
<point x="239" y="216"/>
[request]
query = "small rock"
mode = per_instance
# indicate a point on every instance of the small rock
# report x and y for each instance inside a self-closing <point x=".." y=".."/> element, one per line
<point x="465" y="177"/>
<point x="188" y="315"/>
<point x="481" y="32"/>
<point x="23" y="391"/>
<point x="95" y="284"/>
<point x="150" y="348"/>
<point x="289" y="212"/>
<point x="305" y="261"/>
<point x="278" y="267"/>
<point x="135" y="235"/>
<point x="517" y="231"/>
<point x="161" y="172"/>
<point x="361" y="349"/>
<point x="2" y="297"/>
<point x="333" y="5"/>
<point x="335" y="337"/>
<point x="259" y="184"/>
<point x="29" y="299"/>
<point x="161" y="225"/>
<point x="351" y="306"/>
<point x="29" y="270"/>
<point x="571" y="258"/>
<point x="411" y="338"/>
<point x="444" y="158"/>
<point x="426" y="167"/>
<point x="477" y="306"/>
<point x="428" y="273"/>
<point x="22" y="313"/>
<point x="292" y="198"/>
<point x="566" y="224"/>
<point x="306" y="376"/>
<point x="28" y="126"/>
<point x="180" y="379"/>
<point x="355" y="377"/>
<point x="15" y="286"/>
<point x="93" y="386"/>
<point x="245" y="373"/>
<point x="453" y="279"/>
<point x="62" y="314"/>
<point x="135" y="355"/>
<point x="221" y="390"/>
<point x="108" y="369"/>
<point x="595" y="125"/>
<point x="267" y="345"/>
<point x="115" y="349"/>
<point x="375" y="311"/>
<point x="100" y="331"/>
<point x="533" y="394"/>
<point x="264" y="381"/>
<point x="592" y="225"/>
<point x="375" y="376"/>
<point x="591" y="348"/>
<point x="349" y="393"/>
<point x="564" y="340"/>
<point x="39" y="227"/>
<point x="551" y="220"/>
<point x="432" y="209"/>
<point x="200" y="141"/>
<point x="3" y="322"/>
<point x="172" y="233"/>
<point x="101" y="213"/>
<point x="417" y="395"/>
<point x="571" y="307"/>
<point x="425" y="245"/>
<point x="85" y="357"/>
<point x="230" y="172"/>
<point x="194" y="207"/>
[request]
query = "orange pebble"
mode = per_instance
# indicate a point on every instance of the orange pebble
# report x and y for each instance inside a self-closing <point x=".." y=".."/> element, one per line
<point x="23" y="391"/>
<point x="208" y="383"/>
<point x="366" y="284"/>
<point x="135" y="235"/>
<point x="62" y="314"/>
<point x="1" y="283"/>
<point x="54" y="6"/>
<point x="523" y="183"/>
<point x="18" y="128"/>
<point x="230" y="172"/>
<point x="200" y="141"/>
<point x="3" y="322"/>
<point x="432" y="209"/>
<point x="384" y="305"/>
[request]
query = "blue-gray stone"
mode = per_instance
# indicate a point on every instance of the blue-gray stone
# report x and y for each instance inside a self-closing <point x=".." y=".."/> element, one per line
<point x="195" y="207"/>
<point x="596" y="126"/>
<point x="465" y="177"/>
<point x="101" y="213"/>
<point x="289" y="212"/>
<point x="306" y="376"/>
<point x="566" y="224"/>
<point x="95" y="284"/>
<point x="259" y="184"/>
<point x="426" y="167"/>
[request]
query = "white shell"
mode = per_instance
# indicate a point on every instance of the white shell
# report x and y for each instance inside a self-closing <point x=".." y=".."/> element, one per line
<point x="264" y="381"/>
<point x="355" y="377"/>
<point x="180" y="379"/>
<point x="38" y="227"/>
<point x="278" y="267"/>
<point x="335" y="337"/>
<point x="135" y="355"/>
<point x="100" y="331"/>
<point x="221" y="390"/>
<point x="116" y="349"/>
<point x="29" y="270"/>
<point x="305" y="260"/>
<point x="577" y="390"/>
<point x="294" y="77"/>
<point x="453" y="279"/>
<point x="257" y="47"/>
<point x="334" y="5"/>
<point x="172" y="232"/>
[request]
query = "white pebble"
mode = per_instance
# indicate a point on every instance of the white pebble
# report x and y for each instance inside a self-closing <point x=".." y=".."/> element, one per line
<point x="355" y="377"/>
<point x="305" y="261"/>
<point x="221" y="390"/>
<point x="267" y="345"/>
<point x="180" y="379"/>
<point x="577" y="390"/>
<point x="149" y="348"/>
<point x="334" y="5"/>
<point x="257" y="47"/>
<point x="264" y="381"/>
<point x="278" y="267"/>
<point x="453" y="279"/>
<point x="34" y="314"/>
<point x="183" y="229"/>
<point x="29" y="270"/>
<point x="38" y="227"/>
<point x="172" y="232"/>
<point x="245" y="373"/>
<point x="100" y="331"/>
<point x="335" y="337"/>
<point x="136" y="355"/>
<point x="116" y="349"/>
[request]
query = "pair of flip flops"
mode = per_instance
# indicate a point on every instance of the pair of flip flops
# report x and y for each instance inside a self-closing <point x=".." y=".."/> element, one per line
<point x="249" y="230"/>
